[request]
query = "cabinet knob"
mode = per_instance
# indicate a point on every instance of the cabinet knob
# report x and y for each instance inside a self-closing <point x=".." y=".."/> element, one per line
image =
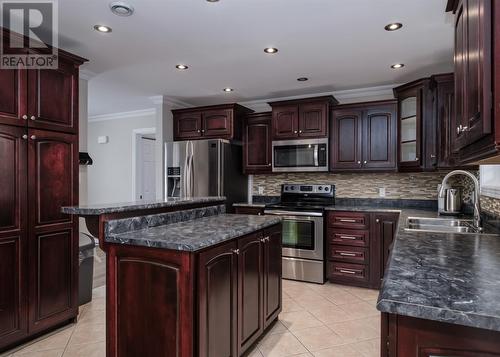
<point x="459" y="129"/>
<point x="465" y="128"/>
<point x="33" y="117"/>
<point x="33" y="137"/>
<point x="199" y="131"/>
<point x="25" y="117"/>
<point x="416" y="159"/>
<point x="365" y="162"/>
<point x="202" y="130"/>
<point x="295" y="131"/>
<point x="259" y="214"/>
<point x="359" y="162"/>
<point x="377" y="220"/>
<point x="236" y="251"/>
<point x="269" y="164"/>
<point x="25" y="136"/>
<point x="433" y="156"/>
<point x="300" y="131"/>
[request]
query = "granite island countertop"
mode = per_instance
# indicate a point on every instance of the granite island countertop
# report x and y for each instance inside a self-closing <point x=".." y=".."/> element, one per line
<point x="98" y="209"/>
<point x="195" y="234"/>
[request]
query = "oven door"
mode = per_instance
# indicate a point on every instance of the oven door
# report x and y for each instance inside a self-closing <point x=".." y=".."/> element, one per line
<point x="302" y="234"/>
<point x="300" y="155"/>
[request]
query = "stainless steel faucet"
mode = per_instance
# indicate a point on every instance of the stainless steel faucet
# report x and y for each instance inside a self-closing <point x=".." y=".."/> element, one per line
<point x="477" y="204"/>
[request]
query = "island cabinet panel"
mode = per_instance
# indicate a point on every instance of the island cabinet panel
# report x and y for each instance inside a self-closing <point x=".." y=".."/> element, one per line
<point x="218" y="304"/>
<point x="363" y="137"/>
<point x="272" y="275"/>
<point x="13" y="94"/>
<point x="359" y="244"/>
<point x="404" y="336"/>
<point x="257" y="153"/>
<point x="250" y="289"/>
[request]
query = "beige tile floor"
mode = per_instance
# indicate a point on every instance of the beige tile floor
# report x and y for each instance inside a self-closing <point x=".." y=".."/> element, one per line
<point x="317" y="320"/>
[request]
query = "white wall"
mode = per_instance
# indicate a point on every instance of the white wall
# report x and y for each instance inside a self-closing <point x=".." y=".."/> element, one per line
<point x="110" y="178"/>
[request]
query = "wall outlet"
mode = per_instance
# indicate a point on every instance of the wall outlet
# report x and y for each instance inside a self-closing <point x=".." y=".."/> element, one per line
<point x="381" y="191"/>
<point x="260" y="190"/>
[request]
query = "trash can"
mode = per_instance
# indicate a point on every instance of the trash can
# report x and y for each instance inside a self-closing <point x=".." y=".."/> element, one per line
<point x="86" y="264"/>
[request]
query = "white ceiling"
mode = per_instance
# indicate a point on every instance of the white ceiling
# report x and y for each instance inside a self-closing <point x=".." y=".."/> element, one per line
<point x="337" y="44"/>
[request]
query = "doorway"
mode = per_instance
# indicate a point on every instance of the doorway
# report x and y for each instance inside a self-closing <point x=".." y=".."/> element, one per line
<point x="145" y="165"/>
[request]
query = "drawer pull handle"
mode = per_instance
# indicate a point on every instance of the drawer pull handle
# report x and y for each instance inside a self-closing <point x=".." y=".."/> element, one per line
<point x="347" y="271"/>
<point x="348" y="220"/>
<point x="344" y="254"/>
<point x="348" y="237"/>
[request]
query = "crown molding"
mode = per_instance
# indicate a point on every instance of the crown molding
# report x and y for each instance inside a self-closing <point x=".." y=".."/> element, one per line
<point x="173" y="103"/>
<point x="122" y="115"/>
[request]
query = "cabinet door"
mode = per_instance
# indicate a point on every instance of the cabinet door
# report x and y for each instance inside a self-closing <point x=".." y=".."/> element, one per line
<point x="218" y="311"/>
<point x="257" y="146"/>
<point x="345" y="141"/>
<point x="478" y="112"/>
<point x="384" y="227"/>
<point x="187" y="126"/>
<point x="13" y="230"/>
<point x="458" y="133"/>
<point x="53" y="98"/>
<point x="313" y="120"/>
<point x="379" y="144"/>
<point x="217" y="123"/>
<point x="250" y="290"/>
<point x="272" y="274"/>
<point x="410" y="130"/>
<point x="13" y="95"/>
<point x="447" y="157"/>
<point x="285" y="122"/>
<point x="53" y="240"/>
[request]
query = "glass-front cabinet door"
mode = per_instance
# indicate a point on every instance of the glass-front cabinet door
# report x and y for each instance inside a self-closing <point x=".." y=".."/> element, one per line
<point x="410" y="129"/>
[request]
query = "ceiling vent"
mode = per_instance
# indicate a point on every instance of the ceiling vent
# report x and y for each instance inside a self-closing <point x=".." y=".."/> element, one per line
<point x="121" y="8"/>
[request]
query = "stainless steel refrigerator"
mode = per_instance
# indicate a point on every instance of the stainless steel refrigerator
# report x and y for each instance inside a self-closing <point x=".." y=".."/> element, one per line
<point x="200" y="168"/>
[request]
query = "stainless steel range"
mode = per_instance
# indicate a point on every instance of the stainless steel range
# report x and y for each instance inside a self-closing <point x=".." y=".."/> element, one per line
<point x="302" y="208"/>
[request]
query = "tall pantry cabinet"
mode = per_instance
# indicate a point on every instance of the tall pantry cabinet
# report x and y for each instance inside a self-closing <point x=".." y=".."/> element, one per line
<point x="38" y="175"/>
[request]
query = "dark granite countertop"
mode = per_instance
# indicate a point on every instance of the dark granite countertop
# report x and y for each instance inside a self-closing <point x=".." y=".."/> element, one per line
<point x="196" y="234"/>
<point x="93" y="210"/>
<point x="445" y="277"/>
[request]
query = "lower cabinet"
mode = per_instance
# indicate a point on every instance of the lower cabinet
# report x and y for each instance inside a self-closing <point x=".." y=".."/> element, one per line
<point x="259" y="211"/>
<point x="358" y="246"/>
<point x="404" y="336"/>
<point x="240" y="292"/>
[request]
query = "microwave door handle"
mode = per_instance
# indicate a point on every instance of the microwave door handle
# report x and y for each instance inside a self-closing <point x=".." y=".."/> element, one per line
<point x="316" y="161"/>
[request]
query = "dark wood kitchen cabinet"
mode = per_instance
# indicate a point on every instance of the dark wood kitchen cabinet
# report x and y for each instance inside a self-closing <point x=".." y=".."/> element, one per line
<point x="211" y="122"/>
<point x="476" y="128"/>
<point x="39" y="156"/>
<point x="211" y="303"/>
<point x="363" y="137"/>
<point x="301" y="118"/>
<point x="358" y="246"/>
<point x="257" y="155"/>
<point x="404" y="336"/>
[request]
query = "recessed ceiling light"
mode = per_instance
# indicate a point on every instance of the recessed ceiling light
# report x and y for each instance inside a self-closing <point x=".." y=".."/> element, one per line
<point x="181" y="66"/>
<point x="397" y="66"/>
<point x="212" y="0"/>
<point x="270" y="50"/>
<point x="121" y="8"/>
<point x="227" y="90"/>
<point x="393" y="27"/>
<point x="302" y="79"/>
<point x="102" y="28"/>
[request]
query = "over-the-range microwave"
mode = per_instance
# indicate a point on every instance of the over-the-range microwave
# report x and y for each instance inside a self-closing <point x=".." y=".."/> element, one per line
<point x="300" y="155"/>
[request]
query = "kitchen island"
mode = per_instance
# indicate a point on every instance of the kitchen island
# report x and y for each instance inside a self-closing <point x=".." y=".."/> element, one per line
<point x="192" y="282"/>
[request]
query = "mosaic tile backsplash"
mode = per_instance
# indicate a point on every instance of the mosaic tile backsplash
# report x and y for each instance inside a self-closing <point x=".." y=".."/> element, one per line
<point x="366" y="185"/>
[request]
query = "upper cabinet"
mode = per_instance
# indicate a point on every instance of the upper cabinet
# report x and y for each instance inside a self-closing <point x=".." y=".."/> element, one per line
<point x="475" y="131"/>
<point x="303" y="118"/>
<point x="213" y="122"/>
<point x="257" y="144"/>
<point x="363" y="137"/>
<point x="417" y="138"/>
<point x="41" y="98"/>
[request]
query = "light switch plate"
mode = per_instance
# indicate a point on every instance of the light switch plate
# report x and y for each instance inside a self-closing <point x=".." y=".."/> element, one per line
<point x="103" y="139"/>
<point x="260" y="190"/>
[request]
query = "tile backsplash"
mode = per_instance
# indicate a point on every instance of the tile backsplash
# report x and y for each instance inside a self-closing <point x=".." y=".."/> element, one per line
<point x="421" y="186"/>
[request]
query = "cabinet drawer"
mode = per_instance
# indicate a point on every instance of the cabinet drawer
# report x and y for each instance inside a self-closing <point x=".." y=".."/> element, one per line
<point x="259" y="211"/>
<point x="345" y="272"/>
<point x="349" y="237"/>
<point x="348" y="254"/>
<point x="350" y="220"/>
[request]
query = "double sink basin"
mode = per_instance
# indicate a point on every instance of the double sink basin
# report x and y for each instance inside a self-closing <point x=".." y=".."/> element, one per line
<point x="441" y="225"/>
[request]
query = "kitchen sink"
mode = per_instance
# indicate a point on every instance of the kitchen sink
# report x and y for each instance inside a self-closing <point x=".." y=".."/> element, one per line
<point x="441" y="225"/>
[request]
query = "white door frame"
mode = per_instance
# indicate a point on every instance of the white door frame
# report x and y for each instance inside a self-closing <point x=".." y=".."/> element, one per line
<point x="136" y="135"/>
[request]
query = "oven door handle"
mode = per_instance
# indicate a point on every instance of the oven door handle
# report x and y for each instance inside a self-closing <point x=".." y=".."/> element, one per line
<point x="291" y="214"/>
<point x="316" y="151"/>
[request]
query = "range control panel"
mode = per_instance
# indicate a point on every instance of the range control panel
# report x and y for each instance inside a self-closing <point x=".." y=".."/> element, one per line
<point x="287" y="188"/>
